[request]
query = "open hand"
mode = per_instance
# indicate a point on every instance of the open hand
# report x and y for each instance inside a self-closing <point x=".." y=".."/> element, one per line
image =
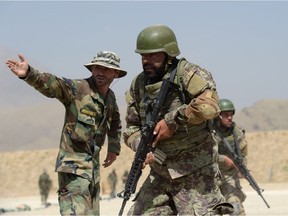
<point x="20" y="69"/>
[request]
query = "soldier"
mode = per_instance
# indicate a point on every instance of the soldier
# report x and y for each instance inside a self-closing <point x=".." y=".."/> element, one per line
<point x="182" y="180"/>
<point x="45" y="184"/>
<point x="125" y="176"/>
<point x="112" y="180"/>
<point x="91" y="114"/>
<point x="229" y="183"/>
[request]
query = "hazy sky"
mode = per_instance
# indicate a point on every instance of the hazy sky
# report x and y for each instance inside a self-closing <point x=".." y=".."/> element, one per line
<point x="244" y="44"/>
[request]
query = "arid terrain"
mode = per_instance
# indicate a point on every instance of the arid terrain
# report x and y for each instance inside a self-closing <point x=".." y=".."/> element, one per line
<point x="274" y="194"/>
<point x="21" y="165"/>
<point x="268" y="162"/>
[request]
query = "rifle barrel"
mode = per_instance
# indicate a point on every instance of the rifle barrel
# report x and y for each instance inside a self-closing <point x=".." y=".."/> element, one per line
<point x="122" y="207"/>
<point x="264" y="201"/>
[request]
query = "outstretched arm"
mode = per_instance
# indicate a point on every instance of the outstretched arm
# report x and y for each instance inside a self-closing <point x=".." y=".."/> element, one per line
<point x="21" y="68"/>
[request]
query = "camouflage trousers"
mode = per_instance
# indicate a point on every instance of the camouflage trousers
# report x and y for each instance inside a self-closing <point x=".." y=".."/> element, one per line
<point x="77" y="195"/>
<point x="44" y="196"/>
<point x="194" y="194"/>
<point x="232" y="191"/>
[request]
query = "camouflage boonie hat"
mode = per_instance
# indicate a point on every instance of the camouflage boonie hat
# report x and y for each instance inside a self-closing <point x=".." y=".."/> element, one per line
<point x="107" y="59"/>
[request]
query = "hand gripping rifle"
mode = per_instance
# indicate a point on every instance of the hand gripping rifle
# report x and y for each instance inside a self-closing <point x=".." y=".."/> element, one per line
<point x="145" y="145"/>
<point x="238" y="161"/>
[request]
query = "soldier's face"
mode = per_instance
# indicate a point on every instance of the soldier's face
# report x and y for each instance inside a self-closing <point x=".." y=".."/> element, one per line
<point x="227" y="118"/>
<point x="154" y="64"/>
<point x="104" y="76"/>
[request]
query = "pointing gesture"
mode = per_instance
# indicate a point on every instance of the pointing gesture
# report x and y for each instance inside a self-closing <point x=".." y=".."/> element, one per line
<point x="20" y="69"/>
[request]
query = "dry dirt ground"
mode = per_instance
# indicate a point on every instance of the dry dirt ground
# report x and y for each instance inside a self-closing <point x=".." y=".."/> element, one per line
<point x="267" y="161"/>
<point x="275" y="194"/>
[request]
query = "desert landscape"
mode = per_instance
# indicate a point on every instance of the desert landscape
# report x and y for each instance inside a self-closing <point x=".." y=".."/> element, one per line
<point x="267" y="162"/>
<point x="22" y="162"/>
<point x="254" y="206"/>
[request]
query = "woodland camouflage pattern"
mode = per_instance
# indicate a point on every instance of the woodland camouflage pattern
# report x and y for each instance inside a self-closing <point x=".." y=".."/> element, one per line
<point x="88" y="118"/>
<point x="191" y="153"/>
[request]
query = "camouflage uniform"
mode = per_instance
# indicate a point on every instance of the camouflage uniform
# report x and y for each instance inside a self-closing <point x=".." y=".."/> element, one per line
<point x="184" y="182"/>
<point x="45" y="184"/>
<point x="88" y="118"/>
<point x="229" y="182"/>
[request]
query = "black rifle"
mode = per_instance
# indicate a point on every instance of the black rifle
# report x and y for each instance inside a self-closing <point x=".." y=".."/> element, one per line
<point x="145" y="145"/>
<point x="238" y="161"/>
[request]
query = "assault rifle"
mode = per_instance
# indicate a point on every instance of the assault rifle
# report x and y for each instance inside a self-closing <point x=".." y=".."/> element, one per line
<point x="238" y="161"/>
<point x="145" y="145"/>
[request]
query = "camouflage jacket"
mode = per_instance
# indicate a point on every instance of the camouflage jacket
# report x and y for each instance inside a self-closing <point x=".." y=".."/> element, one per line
<point x="240" y="139"/>
<point x="191" y="147"/>
<point x="44" y="182"/>
<point x="88" y="119"/>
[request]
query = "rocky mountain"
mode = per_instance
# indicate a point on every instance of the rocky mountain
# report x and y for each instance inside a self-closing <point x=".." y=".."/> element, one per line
<point x="264" y="115"/>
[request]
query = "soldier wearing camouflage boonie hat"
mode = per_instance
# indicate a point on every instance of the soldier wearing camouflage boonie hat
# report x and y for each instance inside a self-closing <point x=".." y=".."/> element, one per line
<point x="107" y="59"/>
<point x="91" y="115"/>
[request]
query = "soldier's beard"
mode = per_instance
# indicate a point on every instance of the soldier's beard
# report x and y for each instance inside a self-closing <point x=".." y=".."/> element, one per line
<point x="155" y="74"/>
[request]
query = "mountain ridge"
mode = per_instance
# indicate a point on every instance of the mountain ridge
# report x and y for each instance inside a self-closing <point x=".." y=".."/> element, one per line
<point x="39" y="126"/>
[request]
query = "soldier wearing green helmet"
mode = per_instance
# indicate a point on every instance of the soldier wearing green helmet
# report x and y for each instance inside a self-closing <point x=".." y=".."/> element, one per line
<point x="226" y="105"/>
<point x="161" y="40"/>
<point x="227" y="129"/>
<point x="183" y="165"/>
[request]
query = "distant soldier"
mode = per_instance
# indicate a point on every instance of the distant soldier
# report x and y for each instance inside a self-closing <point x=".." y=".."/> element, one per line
<point x="112" y="180"/>
<point x="45" y="184"/>
<point x="125" y="176"/>
<point x="230" y="182"/>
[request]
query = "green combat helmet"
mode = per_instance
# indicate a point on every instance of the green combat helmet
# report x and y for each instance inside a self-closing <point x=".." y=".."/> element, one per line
<point x="226" y="105"/>
<point x="157" y="38"/>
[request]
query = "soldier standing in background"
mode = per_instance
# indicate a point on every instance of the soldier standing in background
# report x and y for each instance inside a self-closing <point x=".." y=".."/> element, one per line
<point x="112" y="180"/>
<point x="45" y="184"/>
<point x="125" y="176"/>
<point x="91" y="113"/>
<point x="181" y="181"/>
<point x="229" y="183"/>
